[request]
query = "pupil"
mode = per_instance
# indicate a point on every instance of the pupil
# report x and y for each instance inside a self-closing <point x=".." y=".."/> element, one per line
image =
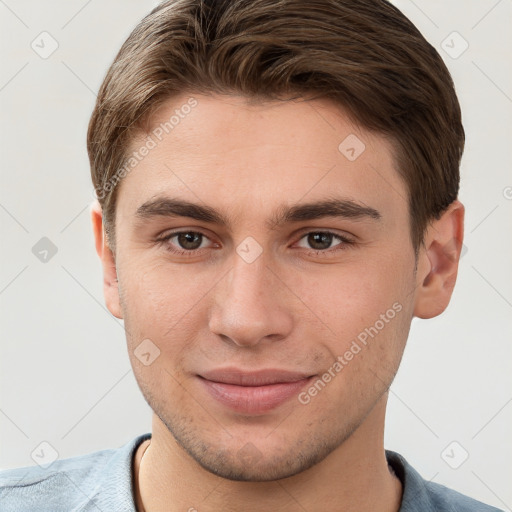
<point x="324" y="239"/>
<point x="189" y="240"/>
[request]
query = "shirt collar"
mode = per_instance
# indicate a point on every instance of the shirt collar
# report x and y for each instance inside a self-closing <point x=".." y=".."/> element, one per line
<point x="115" y="488"/>
<point x="415" y="496"/>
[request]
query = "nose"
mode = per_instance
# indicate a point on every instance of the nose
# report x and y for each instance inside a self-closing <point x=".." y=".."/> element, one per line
<point x="251" y="304"/>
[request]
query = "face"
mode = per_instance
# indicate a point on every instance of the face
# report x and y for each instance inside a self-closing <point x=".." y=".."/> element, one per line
<point x="258" y="244"/>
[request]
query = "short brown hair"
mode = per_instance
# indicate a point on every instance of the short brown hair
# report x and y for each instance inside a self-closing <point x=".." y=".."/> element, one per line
<point x="365" y="55"/>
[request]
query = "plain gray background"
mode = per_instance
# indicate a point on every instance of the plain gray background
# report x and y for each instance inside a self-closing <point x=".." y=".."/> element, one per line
<point x="65" y="374"/>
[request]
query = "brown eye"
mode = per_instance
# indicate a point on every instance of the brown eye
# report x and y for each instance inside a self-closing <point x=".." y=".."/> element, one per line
<point x="189" y="240"/>
<point x="184" y="243"/>
<point x="320" y="241"/>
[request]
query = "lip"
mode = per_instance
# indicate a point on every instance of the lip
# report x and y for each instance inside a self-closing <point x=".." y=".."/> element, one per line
<point x="253" y="392"/>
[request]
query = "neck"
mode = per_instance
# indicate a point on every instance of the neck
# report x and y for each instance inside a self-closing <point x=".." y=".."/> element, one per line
<point x="354" y="477"/>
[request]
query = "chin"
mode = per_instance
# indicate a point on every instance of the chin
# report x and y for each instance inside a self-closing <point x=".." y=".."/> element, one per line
<point x="237" y="458"/>
<point x="266" y="469"/>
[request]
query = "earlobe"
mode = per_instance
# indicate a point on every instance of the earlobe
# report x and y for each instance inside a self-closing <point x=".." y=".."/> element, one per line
<point x="439" y="262"/>
<point x="110" y="283"/>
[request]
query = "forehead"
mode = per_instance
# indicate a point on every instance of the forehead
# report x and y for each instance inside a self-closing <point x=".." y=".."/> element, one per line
<point x="231" y="153"/>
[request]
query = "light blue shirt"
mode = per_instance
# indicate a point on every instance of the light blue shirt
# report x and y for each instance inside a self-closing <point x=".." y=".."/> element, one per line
<point x="103" y="482"/>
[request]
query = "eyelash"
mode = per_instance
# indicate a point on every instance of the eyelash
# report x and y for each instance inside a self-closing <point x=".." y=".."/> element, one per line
<point x="346" y="243"/>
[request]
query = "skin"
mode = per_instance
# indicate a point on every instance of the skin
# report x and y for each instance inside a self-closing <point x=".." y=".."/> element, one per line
<point x="291" y="308"/>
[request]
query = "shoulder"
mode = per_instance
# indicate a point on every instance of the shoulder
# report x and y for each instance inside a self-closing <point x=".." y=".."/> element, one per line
<point x="61" y="486"/>
<point x="420" y="495"/>
<point x="76" y="483"/>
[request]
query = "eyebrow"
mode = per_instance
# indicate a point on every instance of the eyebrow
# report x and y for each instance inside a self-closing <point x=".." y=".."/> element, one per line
<point x="333" y="207"/>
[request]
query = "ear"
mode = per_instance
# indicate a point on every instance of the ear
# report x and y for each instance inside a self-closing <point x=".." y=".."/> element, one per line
<point x="110" y="284"/>
<point x="438" y="262"/>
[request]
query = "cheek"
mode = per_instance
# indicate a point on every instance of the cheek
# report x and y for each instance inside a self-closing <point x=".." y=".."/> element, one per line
<point x="165" y="304"/>
<point x="160" y="306"/>
<point x="160" y="294"/>
<point x="367" y="312"/>
<point x="348" y="299"/>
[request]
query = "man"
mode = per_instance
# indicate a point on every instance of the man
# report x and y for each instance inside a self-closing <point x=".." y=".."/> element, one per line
<point x="277" y="199"/>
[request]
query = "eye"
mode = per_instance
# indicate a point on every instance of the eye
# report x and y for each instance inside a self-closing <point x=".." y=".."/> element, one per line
<point x="186" y="243"/>
<point x="321" y="241"/>
<point x="189" y="240"/>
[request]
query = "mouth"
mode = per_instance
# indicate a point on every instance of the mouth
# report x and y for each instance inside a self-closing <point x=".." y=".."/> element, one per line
<point x="253" y="392"/>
